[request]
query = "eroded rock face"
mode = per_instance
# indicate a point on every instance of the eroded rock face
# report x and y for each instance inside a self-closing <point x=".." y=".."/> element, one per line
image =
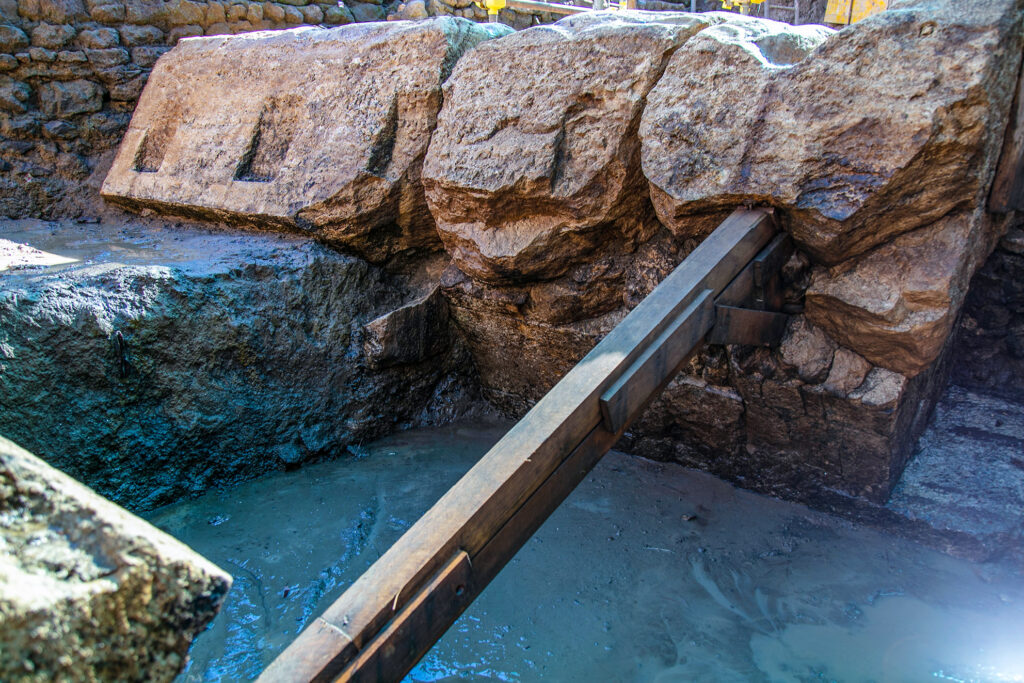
<point x="319" y="130"/>
<point x="885" y="127"/>
<point x="525" y="338"/>
<point x="168" y="360"/>
<point x="897" y="304"/>
<point x="701" y="117"/>
<point x="534" y="165"/>
<point x="87" y="590"/>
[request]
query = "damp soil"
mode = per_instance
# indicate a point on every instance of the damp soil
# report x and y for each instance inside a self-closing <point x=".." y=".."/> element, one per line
<point x="648" y="572"/>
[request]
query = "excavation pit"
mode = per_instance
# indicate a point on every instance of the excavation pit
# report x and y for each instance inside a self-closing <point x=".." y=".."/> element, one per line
<point x="647" y="230"/>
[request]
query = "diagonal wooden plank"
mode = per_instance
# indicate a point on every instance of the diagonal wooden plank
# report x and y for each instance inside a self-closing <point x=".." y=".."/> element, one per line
<point x="486" y="499"/>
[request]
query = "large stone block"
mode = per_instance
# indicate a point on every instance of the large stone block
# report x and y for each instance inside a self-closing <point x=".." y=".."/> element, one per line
<point x="897" y="304"/>
<point x="169" y="360"/>
<point x="88" y="591"/>
<point x="885" y="127"/>
<point x="535" y="162"/>
<point x="319" y="130"/>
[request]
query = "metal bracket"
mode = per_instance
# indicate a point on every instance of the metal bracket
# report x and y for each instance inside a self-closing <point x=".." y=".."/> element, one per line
<point x="744" y="310"/>
<point x="747" y="326"/>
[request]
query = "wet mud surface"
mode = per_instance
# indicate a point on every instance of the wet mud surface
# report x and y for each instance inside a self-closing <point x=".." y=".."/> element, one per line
<point x="648" y="572"/>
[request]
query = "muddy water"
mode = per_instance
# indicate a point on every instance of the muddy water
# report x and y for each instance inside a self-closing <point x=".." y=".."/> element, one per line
<point x="648" y="572"/>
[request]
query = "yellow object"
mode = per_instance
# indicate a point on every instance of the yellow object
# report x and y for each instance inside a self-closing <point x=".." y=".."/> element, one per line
<point x="492" y="6"/>
<point x="851" y="11"/>
<point x="865" y="8"/>
<point x="742" y="5"/>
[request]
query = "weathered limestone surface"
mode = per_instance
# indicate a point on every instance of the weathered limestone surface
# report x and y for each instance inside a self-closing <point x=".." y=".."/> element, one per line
<point x="885" y="127"/>
<point x="319" y="130"/>
<point x="896" y="305"/>
<point x="87" y="590"/>
<point x="172" y="359"/>
<point x="535" y="163"/>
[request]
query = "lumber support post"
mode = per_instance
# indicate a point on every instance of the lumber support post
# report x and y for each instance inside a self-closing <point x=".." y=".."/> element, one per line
<point x="381" y="626"/>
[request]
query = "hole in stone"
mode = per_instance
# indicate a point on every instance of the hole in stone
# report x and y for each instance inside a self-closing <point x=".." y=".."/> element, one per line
<point x="270" y="140"/>
<point x="384" y="143"/>
<point x="153" y="147"/>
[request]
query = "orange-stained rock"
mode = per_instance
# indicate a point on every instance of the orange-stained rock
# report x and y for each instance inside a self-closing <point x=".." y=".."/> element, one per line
<point x="311" y="129"/>
<point x="535" y="163"/>
<point x="897" y="304"/>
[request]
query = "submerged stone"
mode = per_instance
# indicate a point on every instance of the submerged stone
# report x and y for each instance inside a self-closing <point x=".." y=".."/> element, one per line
<point x="87" y="590"/>
<point x="312" y="129"/>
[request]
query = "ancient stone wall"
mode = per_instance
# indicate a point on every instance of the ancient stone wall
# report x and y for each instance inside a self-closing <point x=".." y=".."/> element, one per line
<point x="71" y="72"/>
<point x="169" y="360"/>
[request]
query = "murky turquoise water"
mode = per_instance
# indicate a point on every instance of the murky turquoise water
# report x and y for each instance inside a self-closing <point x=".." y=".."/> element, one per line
<point x="648" y="572"/>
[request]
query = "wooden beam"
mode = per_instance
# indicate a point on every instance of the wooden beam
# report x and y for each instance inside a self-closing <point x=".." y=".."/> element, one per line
<point x="624" y="399"/>
<point x="498" y="504"/>
<point x="747" y="326"/>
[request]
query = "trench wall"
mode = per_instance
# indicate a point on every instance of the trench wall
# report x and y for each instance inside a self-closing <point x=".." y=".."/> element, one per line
<point x="990" y="336"/>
